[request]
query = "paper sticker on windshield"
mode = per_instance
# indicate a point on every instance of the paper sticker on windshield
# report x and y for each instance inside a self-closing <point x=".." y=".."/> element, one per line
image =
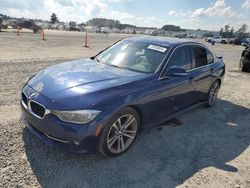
<point x="157" y="48"/>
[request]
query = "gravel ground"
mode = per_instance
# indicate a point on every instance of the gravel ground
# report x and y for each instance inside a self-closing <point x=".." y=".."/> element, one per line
<point x="203" y="148"/>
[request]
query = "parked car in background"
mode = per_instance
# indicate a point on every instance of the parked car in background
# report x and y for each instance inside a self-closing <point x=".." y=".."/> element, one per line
<point x="219" y="39"/>
<point x="245" y="42"/>
<point x="209" y="39"/>
<point x="231" y="41"/>
<point x="101" y="103"/>
<point x="237" y="41"/>
<point x="27" y="24"/>
<point x="245" y="59"/>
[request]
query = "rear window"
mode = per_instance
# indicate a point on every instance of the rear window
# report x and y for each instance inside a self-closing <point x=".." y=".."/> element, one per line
<point x="200" y="56"/>
<point x="210" y="57"/>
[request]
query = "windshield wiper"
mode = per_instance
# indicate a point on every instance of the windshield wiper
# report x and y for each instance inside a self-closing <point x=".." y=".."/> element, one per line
<point x="113" y="65"/>
<point x="97" y="60"/>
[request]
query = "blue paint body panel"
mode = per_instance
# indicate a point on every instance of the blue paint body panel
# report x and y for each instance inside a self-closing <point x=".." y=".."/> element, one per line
<point x="88" y="84"/>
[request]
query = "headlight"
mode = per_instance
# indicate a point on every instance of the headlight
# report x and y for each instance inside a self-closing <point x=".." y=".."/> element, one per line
<point x="77" y="116"/>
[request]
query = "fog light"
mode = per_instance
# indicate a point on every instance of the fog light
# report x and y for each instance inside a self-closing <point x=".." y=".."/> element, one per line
<point x="76" y="143"/>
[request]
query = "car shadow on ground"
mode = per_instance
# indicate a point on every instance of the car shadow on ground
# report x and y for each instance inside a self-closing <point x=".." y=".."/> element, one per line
<point x="239" y="71"/>
<point x="159" y="158"/>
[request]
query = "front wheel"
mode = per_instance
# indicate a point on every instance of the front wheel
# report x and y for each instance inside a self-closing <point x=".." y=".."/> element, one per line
<point x="120" y="133"/>
<point x="213" y="93"/>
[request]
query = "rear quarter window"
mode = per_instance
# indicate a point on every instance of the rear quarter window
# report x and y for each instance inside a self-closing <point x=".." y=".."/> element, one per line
<point x="210" y="57"/>
<point x="200" y="56"/>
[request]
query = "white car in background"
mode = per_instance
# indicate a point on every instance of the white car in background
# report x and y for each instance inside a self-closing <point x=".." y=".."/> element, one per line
<point x="219" y="39"/>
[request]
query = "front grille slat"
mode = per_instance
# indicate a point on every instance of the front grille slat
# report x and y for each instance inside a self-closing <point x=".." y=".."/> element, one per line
<point x="33" y="107"/>
<point x="37" y="109"/>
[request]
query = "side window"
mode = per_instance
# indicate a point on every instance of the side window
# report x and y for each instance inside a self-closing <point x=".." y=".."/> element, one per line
<point x="200" y="56"/>
<point x="181" y="57"/>
<point x="27" y="24"/>
<point x="210" y="57"/>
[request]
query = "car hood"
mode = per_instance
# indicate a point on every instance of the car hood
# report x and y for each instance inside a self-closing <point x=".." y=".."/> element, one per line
<point x="81" y="77"/>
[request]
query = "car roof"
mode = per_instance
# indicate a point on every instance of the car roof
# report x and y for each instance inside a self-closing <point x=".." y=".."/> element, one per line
<point x="163" y="41"/>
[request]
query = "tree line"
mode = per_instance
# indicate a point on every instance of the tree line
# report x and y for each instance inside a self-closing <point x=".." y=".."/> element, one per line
<point x="98" y="22"/>
<point x="226" y="32"/>
<point x="104" y="22"/>
<point x="229" y="32"/>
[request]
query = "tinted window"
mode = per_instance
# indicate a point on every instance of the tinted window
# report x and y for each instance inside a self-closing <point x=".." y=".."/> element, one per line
<point x="181" y="57"/>
<point x="27" y="24"/>
<point x="200" y="56"/>
<point x="210" y="57"/>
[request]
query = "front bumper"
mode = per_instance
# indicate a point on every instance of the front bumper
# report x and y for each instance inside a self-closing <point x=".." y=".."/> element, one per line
<point x="58" y="134"/>
<point x="61" y="146"/>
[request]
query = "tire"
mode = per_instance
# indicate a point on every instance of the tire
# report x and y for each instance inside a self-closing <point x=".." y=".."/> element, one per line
<point x="243" y="68"/>
<point x="120" y="133"/>
<point x="213" y="93"/>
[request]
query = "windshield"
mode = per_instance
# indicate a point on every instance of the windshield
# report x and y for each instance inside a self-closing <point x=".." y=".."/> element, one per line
<point x="133" y="55"/>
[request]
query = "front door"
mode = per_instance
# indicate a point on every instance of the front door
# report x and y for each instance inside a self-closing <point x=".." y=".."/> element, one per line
<point x="175" y="92"/>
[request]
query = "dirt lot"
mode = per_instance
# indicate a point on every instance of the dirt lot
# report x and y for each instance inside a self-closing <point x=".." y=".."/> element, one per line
<point x="207" y="148"/>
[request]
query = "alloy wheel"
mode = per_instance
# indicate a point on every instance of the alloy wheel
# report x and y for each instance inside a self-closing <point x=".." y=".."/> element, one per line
<point x="122" y="134"/>
<point x="213" y="93"/>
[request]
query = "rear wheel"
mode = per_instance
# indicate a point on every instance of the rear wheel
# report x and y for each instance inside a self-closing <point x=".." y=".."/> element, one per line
<point x="223" y="42"/>
<point x="213" y="93"/>
<point x="120" y="133"/>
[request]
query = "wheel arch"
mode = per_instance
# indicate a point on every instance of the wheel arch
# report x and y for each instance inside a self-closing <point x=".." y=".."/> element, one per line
<point x="138" y="110"/>
<point x="215" y="80"/>
<point x="219" y="80"/>
<point x="134" y="107"/>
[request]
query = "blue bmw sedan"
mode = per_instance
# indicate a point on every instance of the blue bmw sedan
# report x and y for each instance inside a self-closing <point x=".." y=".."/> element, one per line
<point x="100" y="104"/>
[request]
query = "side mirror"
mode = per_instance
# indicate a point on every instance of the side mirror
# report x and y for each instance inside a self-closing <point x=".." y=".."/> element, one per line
<point x="176" y="71"/>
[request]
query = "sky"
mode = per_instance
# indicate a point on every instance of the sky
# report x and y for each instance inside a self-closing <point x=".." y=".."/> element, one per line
<point x="189" y="14"/>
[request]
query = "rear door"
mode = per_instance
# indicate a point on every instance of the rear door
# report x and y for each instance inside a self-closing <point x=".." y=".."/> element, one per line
<point x="201" y="72"/>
